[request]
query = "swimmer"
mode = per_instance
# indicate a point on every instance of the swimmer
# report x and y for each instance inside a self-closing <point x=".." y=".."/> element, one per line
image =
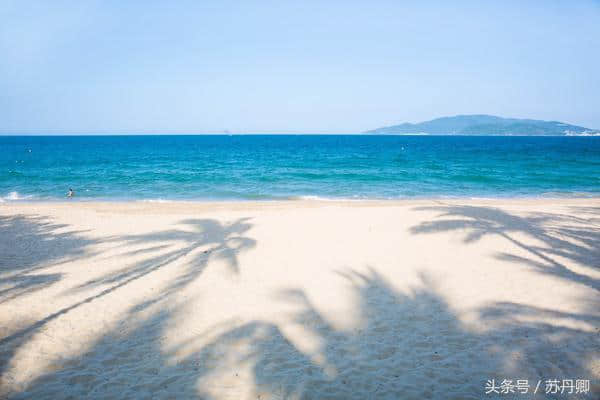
<point x="70" y="193"/>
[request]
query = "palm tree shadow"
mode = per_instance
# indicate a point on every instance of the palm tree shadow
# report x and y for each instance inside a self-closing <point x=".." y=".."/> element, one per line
<point x="136" y="364"/>
<point x="401" y="345"/>
<point x="591" y="214"/>
<point x="404" y="345"/>
<point x="31" y="243"/>
<point x="568" y="237"/>
<point x="223" y="241"/>
<point x="202" y="240"/>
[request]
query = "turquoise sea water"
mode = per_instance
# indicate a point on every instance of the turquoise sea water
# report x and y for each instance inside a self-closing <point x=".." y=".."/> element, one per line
<point x="251" y="167"/>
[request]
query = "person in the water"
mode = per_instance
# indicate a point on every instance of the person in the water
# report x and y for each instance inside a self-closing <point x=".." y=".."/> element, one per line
<point x="70" y="193"/>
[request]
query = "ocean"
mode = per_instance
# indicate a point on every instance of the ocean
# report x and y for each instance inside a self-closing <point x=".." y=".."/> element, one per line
<point x="272" y="167"/>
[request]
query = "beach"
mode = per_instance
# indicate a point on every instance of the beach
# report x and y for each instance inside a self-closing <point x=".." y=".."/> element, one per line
<point x="411" y="299"/>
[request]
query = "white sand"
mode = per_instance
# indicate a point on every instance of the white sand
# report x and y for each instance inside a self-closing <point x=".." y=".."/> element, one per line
<point x="407" y="300"/>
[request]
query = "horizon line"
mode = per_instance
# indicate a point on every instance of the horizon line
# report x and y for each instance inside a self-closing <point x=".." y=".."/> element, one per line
<point x="278" y="134"/>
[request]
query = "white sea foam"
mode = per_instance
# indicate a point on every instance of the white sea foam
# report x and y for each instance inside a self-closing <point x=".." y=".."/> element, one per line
<point x="15" y="196"/>
<point x="156" y="201"/>
<point x="320" y="198"/>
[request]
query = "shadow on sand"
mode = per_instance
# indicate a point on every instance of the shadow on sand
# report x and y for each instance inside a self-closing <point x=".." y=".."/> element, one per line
<point x="29" y="243"/>
<point x="559" y="238"/>
<point x="404" y="345"/>
<point x="203" y="239"/>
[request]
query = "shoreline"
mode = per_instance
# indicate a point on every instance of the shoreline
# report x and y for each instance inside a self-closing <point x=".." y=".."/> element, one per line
<point x="302" y="202"/>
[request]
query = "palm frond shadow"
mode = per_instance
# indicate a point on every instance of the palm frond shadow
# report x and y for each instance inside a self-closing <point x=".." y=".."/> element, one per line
<point x="31" y="243"/>
<point x="217" y="240"/>
<point x="224" y="241"/>
<point x="28" y="245"/>
<point x="404" y="345"/>
<point x="572" y="238"/>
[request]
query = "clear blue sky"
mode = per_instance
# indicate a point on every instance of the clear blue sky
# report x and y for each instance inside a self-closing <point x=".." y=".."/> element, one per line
<point x="303" y="66"/>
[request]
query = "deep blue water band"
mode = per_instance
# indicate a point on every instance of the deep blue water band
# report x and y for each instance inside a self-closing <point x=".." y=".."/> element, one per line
<point x="215" y="167"/>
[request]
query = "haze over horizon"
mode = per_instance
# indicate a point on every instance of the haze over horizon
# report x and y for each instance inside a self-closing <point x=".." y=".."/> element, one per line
<point x="339" y="67"/>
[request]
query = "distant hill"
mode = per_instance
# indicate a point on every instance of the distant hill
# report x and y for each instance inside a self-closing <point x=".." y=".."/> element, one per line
<point x="486" y="125"/>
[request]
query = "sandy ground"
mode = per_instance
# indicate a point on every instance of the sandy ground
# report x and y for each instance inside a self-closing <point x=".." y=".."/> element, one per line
<point x="402" y="300"/>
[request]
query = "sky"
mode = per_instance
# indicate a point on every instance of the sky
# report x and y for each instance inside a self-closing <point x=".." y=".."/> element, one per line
<point x="114" y="66"/>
